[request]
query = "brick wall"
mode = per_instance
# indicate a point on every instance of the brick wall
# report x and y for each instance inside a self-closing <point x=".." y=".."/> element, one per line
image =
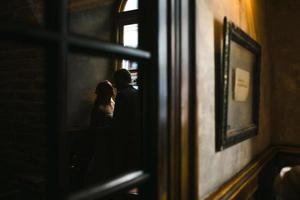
<point x="21" y="11"/>
<point x="23" y="140"/>
<point x="22" y="98"/>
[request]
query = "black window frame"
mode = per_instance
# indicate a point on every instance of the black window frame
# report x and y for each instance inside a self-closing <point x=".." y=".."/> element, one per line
<point x="55" y="37"/>
<point x="159" y="72"/>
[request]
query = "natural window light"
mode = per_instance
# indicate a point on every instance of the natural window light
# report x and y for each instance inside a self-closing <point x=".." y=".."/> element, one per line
<point x="130" y="35"/>
<point x="130" y="39"/>
<point x="131" y="5"/>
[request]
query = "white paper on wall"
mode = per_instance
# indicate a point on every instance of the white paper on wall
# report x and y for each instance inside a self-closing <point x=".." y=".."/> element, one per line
<point x="241" y="85"/>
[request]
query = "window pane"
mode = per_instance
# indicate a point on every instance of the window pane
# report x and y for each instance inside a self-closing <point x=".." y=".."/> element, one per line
<point x="104" y="120"/>
<point x="30" y="12"/>
<point x="131" y="5"/>
<point x="23" y="142"/>
<point x="132" y="67"/>
<point x="130" y="35"/>
<point x="132" y="194"/>
<point x="101" y="20"/>
<point x="129" y="65"/>
<point x="93" y="18"/>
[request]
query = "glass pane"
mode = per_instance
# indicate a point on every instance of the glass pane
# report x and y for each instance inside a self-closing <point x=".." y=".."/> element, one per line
<point x="23" y="142"/>
<point x="93" y="19"/>
<point x="30" y="12"/>
<point x="240" y="115"/>
<point x="101" y="20"/>
<point x="131" y="5"/>
<point x="132" y="194"/>
<point x="130" y="35"/>
<point x="104" y="120"/>
<point x="132" y="67"/>
<point x="130" y="39"/>
<point x="126" y="64"/>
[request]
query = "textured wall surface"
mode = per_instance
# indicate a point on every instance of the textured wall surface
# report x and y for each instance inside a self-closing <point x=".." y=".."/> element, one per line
<point x="284" y="31"/>
<point x="95" y="19"/>
<point x="215" y="168"/>
<point x="23" y="141"/>
<point x="22" y="109"/>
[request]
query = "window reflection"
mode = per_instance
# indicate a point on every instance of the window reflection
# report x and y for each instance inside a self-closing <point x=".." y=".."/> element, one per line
<point x="29" y="12"/>
<point x="103" y="119"/>
<point x="132" y="194"/>
<point x="103" y="108"/>
<point x="94" y="18"/>
<point x="101" y="19"/>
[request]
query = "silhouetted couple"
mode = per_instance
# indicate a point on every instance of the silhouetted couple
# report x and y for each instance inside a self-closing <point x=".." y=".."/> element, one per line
<point x="120" y="121"/>
<point x="102" y="113"/>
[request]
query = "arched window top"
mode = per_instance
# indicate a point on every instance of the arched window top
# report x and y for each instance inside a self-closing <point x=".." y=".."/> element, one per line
<point x="129" y="5"/>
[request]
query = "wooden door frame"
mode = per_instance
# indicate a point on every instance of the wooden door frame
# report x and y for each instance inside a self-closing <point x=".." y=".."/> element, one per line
<point x="174" y="56"/>
<point x="182" y="100"/>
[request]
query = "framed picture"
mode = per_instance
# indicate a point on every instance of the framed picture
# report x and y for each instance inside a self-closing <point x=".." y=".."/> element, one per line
<point x="237" y="87"/>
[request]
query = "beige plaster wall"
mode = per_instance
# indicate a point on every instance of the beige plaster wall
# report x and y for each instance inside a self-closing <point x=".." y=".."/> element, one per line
<point x="284" y="31"/>
<point x="215" y="168"/>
